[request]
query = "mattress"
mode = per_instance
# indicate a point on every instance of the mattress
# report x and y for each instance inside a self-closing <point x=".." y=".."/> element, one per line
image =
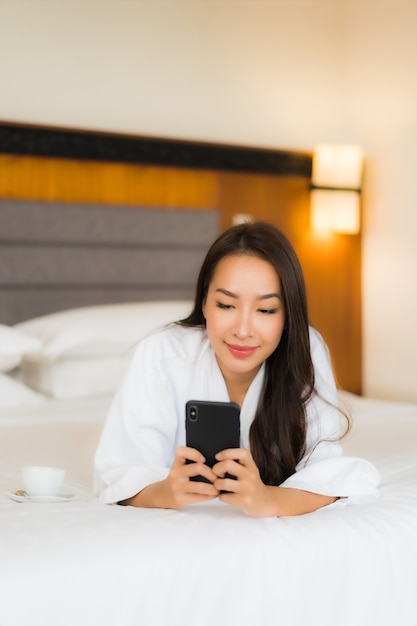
<point x="77" y="561"/>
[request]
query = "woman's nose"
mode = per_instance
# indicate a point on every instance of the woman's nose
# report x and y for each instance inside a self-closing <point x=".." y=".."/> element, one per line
<point x="243" y="324"/>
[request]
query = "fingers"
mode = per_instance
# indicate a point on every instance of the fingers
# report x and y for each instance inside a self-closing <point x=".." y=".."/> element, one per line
<point x="184" y="453"/>
<point x="192" y="470"/>
<point x="234" y="461"/>
<point x="238" y="463"/>
<point x="229" y="476"/>
<point x="245" y="490"/>
<point x="189" y="463"/>
<point x="194" y="463"/>
<point x="202" y="489"/>
<point x="236" y="454"/>
<point x="184" y="491"/>
<point x="228" y="467"/>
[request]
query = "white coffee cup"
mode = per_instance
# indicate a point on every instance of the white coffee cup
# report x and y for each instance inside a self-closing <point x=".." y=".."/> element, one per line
<point x="42" y="481"/>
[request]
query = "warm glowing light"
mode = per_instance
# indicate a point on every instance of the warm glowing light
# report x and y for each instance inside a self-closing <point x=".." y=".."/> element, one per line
<point x="336" y="182"/>
<point x="337" y="166"/>
<point x="336" y="211"/>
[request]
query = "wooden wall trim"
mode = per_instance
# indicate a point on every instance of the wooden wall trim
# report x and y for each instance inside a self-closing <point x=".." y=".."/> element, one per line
<point x="67" y="180"/>
<point x="110" y="147"/>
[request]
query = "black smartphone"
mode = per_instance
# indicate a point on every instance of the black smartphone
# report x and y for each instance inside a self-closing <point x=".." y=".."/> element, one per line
<point x="211" y="427"/>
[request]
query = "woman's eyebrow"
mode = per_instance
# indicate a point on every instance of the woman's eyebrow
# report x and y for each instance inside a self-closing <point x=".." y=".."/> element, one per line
<point x="226" y="292"/>
<point x="270" y="295"/>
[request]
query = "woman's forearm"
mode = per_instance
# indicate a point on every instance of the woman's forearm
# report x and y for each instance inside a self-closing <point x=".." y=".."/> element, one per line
<point x="280" y="501"/>
<point x="297" y="502"/>
<point x="151" y="497"/>
<point x="172" y="494"/>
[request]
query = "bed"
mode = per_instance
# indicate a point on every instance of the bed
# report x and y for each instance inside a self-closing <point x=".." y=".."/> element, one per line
<point x="93" y="254"/>
<point x="76" y="561"/>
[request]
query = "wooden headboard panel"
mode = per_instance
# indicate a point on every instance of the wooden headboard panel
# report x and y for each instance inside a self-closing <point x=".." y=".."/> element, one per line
<point x="68" y="173"/>
<point x="56" y="256"/>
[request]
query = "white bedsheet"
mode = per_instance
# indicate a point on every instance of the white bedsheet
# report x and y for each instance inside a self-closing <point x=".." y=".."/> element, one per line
<point x="59" y="432"/>
<point x="83" y="563"/>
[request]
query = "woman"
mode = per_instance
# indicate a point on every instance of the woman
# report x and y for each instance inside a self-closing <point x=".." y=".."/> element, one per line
<point x="247" y="340"/>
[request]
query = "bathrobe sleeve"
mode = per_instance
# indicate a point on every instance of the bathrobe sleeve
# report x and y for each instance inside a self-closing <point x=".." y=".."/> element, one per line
<point x="138" y="442"/>
<point x="323" y="468"/>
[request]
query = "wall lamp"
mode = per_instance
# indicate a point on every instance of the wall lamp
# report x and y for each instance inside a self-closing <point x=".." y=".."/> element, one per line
<point x="335" y="188"/>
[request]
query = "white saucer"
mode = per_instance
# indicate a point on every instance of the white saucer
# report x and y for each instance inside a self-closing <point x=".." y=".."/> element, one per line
<point x="62" y="497"/>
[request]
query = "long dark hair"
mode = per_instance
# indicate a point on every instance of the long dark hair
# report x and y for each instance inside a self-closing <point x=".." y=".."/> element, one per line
<point x="278" y="431"/>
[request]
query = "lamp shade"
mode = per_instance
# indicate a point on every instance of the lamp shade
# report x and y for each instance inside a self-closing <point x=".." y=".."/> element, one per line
<point x="337" y="166"/>
<point x="335" y="211"/>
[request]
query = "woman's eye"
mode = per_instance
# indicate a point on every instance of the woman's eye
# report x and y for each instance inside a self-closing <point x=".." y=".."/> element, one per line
<point x="221" y="305"/>
<point x="268" y="311"/>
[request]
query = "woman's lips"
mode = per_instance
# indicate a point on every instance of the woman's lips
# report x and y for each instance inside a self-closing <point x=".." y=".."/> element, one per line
<point x="241" y="352"/>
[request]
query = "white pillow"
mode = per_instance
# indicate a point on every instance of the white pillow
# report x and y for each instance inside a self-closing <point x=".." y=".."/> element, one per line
<point x="14" y="393"/>
<point x="109" y="329"/>
<point x="75" y="377"/>
<point x="14" y="345"/>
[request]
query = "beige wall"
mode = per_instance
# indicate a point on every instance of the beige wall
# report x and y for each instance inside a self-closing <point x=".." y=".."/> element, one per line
<point x="382" y="84"/>
<point x="279" y="73"/>
<point x="254" y="71"/>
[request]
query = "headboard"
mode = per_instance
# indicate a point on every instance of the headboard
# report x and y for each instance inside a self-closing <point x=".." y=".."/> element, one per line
<point x="56" y="256"/>
<point x="92" y="217"/>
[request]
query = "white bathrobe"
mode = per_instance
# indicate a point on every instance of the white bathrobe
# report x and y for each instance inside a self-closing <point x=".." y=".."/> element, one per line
<point x="146" y="421"/>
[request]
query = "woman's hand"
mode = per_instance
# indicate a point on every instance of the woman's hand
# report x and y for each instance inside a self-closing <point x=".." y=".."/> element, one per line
<point x="181" y="489"/>
<point x="247" y="492"/>
<point x="177" y="490"/>
<point x="254" y="497"/>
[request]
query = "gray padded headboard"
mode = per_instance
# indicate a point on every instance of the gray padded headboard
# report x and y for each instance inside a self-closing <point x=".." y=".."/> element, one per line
<point x="55" y="256"/>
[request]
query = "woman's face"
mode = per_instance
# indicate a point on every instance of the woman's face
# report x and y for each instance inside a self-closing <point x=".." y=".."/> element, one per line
<point x="245" y="315"/>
